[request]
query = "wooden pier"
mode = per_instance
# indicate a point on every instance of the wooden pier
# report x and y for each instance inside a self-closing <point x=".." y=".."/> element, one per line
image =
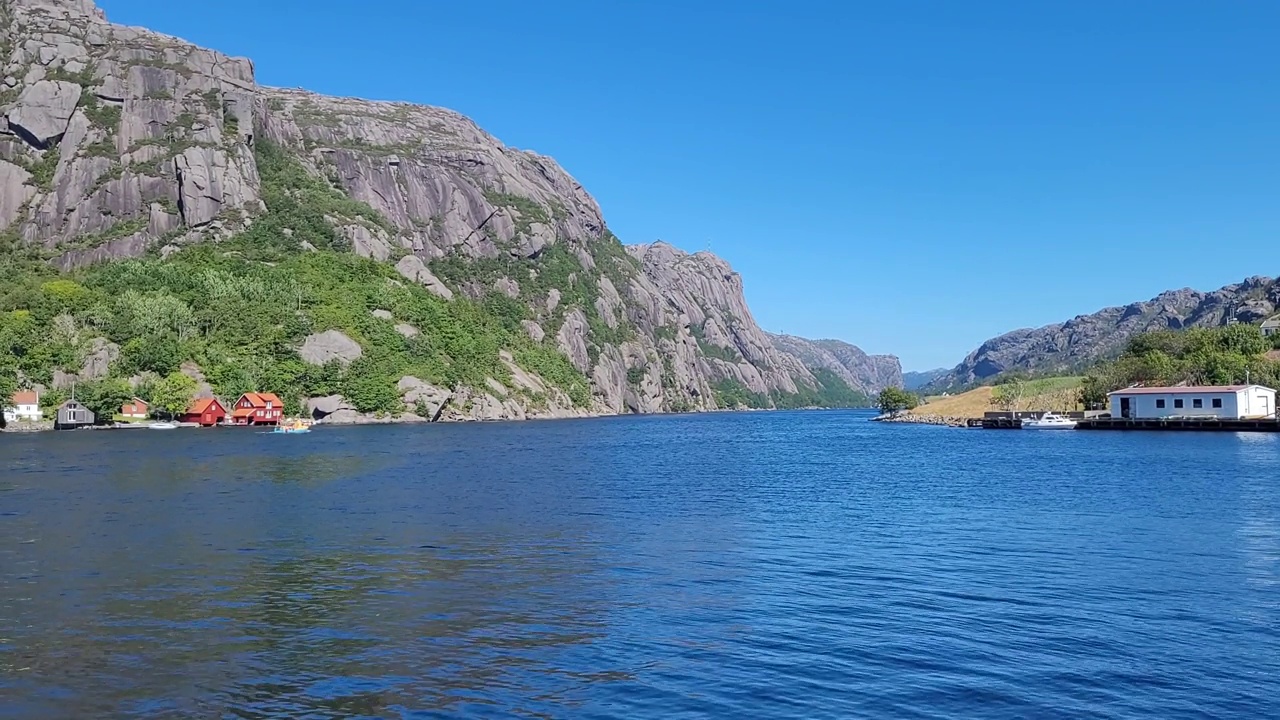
<point x="1193" y="424"/>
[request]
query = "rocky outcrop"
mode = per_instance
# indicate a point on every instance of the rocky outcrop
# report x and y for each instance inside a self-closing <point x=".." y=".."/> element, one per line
<point x="43" y="111"/>
<point x="1085" y="339"/>
<point x="413" y="269"/>
<point x="328" y="346"/>
<point x="699" y="298"/>
<point x="118" y="128"/>
<point x="868" y="374"/>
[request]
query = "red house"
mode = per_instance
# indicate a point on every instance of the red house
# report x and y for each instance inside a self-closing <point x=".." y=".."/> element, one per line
<point x="257" y="409"/>
<point x="205" y="411"/>
<point x="136" y="410"/>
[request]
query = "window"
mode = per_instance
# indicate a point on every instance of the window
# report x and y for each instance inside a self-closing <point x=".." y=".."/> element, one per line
<point x="1217" y="402"/>
<point x="1178" y="403"/>
<point x="1160" y="404"/>
<point x="1197" y="403"/>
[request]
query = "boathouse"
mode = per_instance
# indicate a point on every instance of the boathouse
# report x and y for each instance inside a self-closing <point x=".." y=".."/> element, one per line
<point x="205" y="412"/>
<point x="257" y="409"/>
<point x="72" y="415"/>
<point x="1224" y="402"/>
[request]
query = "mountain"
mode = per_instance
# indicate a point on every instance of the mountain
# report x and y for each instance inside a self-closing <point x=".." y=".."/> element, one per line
<point x="869" y="374"/>
<point x="916" y="380"/>
<point x="161" y="213"/>
<point x="1085" y="339"/>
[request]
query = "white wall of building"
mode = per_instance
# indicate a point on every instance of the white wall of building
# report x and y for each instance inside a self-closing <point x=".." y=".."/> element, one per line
<point x="1253" y="401"/>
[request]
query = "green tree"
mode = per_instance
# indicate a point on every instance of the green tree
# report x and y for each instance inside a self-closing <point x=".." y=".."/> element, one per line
<point x="894" y="400"/>
<point x="104" y="397"/>
<point x="173" y="394"/>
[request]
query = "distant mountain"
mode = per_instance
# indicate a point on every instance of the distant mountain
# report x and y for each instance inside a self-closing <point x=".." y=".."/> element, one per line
<point x="1085" y="339"/>
<point x="916" y="380"/>
<point x="866" y="373"/>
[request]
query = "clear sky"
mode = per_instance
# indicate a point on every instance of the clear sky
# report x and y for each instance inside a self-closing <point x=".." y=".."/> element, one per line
<point x="913" y="177"/>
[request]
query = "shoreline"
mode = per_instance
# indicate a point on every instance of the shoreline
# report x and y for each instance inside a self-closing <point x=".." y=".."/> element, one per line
<point x="411" y="419"/>
<point x="939" y="420"/>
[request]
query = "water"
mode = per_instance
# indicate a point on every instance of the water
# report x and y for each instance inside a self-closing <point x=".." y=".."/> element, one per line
<point x="782" y="565"/>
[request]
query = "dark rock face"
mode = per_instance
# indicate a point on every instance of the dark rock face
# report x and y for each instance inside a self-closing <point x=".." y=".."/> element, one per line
<point x="1085" y="339"/>
<point x="867" y="373"/>
<point x="117" y="140"/>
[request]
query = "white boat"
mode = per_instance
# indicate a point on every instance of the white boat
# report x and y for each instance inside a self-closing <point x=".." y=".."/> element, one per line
<point x="163" y="426"/>
<point x="1049" y="421"/>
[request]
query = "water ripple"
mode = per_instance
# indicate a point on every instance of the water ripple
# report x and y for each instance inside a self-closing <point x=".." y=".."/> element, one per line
<point x="781" y="565"/>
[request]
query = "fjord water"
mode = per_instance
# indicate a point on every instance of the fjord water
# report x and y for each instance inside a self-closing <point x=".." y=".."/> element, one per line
<point x="782" y="565"/>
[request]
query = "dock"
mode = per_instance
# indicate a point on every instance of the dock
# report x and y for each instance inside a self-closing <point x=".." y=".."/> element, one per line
<point x="1193" y="424"/>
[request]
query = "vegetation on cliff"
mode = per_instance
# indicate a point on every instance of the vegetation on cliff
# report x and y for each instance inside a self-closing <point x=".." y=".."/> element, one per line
<point x="240" y="309"/>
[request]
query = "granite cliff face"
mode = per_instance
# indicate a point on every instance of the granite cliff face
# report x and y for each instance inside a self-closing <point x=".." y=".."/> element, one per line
<point x="116" y="142"/>
<point x="1085" y="339"/>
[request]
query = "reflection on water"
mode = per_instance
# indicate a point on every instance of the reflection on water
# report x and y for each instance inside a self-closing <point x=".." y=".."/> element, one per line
<point x="763" y="565"/>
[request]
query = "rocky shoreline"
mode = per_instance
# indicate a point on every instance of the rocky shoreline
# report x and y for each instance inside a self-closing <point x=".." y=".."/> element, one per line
<point x="943" y="420"/>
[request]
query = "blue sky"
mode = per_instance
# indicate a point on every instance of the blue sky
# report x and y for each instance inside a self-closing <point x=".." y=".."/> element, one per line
<point x="913" y="177"/>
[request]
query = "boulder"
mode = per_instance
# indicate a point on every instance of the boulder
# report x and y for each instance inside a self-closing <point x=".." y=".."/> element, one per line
<point x="97" y="363"/>
<point x="412" y="391"/>
<point x="407" y="330"/>
<point x="322" y="407"/>
<point x="44" y="110"/>
<point x="329" y="345"/>
<point x="572" y="340"/>
<point x="414" y="270"/>
<point x="507" y="286"/>
<point x="534" y="329"/>
<point x="382" y="314"/>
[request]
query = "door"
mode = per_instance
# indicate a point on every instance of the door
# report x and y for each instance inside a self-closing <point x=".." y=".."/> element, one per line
<point x="1126" y="407"/>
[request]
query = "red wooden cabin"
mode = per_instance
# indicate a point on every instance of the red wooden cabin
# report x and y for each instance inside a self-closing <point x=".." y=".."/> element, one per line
<point x="205" y="411"/>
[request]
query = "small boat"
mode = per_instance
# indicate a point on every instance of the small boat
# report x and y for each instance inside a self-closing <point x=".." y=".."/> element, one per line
<point x="293" y="427"/>
<point x="163" y="426"/>
<point x="1049" y="421"/>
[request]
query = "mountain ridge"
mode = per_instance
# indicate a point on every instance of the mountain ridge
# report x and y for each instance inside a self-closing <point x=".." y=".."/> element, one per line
<point x="1074" y="344"/>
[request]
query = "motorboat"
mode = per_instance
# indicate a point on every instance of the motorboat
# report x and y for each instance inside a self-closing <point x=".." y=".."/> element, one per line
<point x="163" y="426"/>
<point x="1049" y="421"/>
<point x="293" y="427"/>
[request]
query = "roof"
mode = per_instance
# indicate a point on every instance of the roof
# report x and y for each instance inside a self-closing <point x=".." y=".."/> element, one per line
<point x="201" y="405"/>
<point x="242" y="412"/>
<point x="1186" y="390"/>
<point x="140" y="402"/>
<point x="261" y="399"/>
<point x="1273" y="321"/>
<point x="26" y="397"/>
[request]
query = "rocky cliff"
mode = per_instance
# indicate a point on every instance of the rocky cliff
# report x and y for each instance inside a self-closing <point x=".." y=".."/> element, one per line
<point x="118" y="142"/>
<point x="1085" y="339"/>
<point x="868" y="374"/>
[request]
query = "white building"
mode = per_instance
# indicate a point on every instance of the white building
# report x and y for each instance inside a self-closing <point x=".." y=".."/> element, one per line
<point x="24" y="405"/>
<point x="1229" y="402"/>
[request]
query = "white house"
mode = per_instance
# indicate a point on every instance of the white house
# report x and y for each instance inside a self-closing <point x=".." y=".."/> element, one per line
<point x="1229" y="402"/>
<point x="24" y="405"/>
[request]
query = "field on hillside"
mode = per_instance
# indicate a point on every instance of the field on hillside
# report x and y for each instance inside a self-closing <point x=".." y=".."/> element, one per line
<point x="1059" y="394"/>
